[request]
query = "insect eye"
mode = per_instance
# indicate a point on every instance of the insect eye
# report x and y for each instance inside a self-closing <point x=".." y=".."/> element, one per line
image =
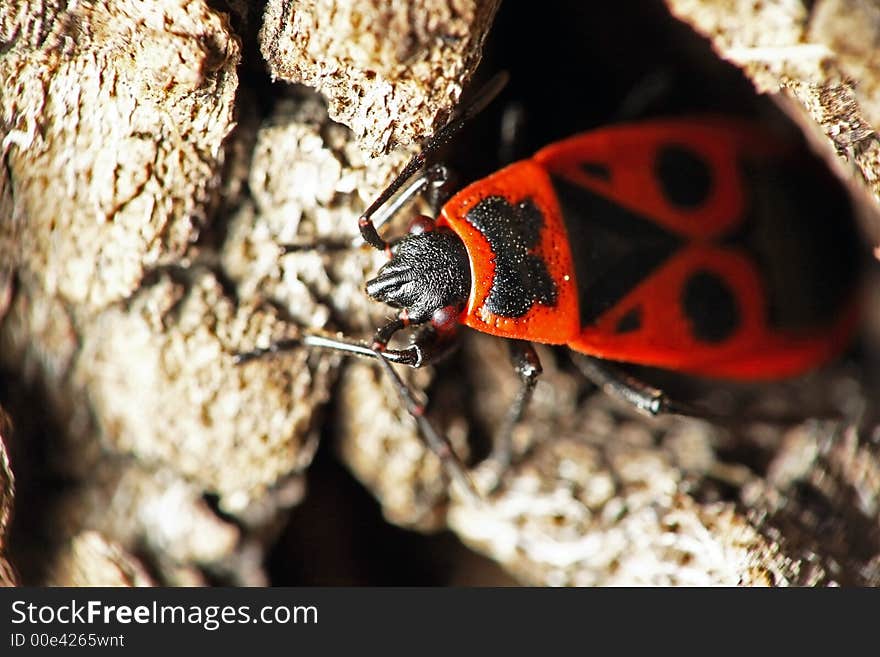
<point x="421" y="224"/>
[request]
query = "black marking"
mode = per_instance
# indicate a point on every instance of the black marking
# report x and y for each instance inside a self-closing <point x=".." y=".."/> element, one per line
<point x="798" y="230"/>
<point x="711" y="305"/>
<point x="613" y="248"/>
<point x="630" y="322"/>
<point x="685" y="176"/>
<point x="800" y="233"/>
<point x="521" y="278"/>
<point x="596" y="170"/>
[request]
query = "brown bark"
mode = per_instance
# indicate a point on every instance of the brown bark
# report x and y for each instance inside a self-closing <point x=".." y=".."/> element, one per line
<point x="390" y="71"/>
<point x="144" y="197"/>
<point x="8" y="576"/>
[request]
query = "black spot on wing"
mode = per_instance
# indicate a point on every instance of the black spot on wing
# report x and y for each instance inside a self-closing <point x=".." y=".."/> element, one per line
<point x="800" y="233"/>
<point x="613" y="248"/>
<point x="684" y="175"/>
<point x="521" y="278"/>
<point x="630" y="322"/>
<point x="596" y="170"/>
<point x="711" y="307"/>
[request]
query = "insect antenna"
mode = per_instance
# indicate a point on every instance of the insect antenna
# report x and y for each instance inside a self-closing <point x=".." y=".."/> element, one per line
<point x="438" y="139"/>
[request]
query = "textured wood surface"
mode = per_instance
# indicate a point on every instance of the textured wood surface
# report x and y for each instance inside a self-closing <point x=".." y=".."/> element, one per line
<point x="151" y="171"/>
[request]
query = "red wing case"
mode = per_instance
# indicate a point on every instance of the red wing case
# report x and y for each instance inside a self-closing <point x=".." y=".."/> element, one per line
<point x="707" y="246"/>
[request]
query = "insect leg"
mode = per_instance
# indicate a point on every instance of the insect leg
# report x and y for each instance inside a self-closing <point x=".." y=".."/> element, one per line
<point x="430" y="181"/>
<point x="385" y="332"/>
<point x="646" y="96"/>
<point x="323" y="246"/>
<point x="511" y="142"/>
<point x="400" y="356"/>
<point x="278" y="347"/>
<point x="485" y="95"/>
<point x="436" y="441"/>
<point x="527" y="365"/>
<point x="645" y="398"/>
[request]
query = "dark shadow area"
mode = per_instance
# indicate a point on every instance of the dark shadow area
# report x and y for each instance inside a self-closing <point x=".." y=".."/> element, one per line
<point x="338" y="537"/>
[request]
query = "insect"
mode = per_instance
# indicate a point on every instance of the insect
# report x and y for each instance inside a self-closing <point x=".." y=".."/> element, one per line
<point x="707" y="245"/>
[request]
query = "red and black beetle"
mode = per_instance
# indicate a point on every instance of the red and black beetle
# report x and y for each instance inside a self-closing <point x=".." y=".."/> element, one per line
<point x="654" y="242"/>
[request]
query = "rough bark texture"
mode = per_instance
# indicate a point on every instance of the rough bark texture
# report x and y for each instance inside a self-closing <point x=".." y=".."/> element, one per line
<point x="389" y="70"/>
<point x="116" y="119"/>
<point x="7" y="498"/>
<point x="90" y="558"/>
<point x="151" y="173"/>
<point x="122" y="318"/>
<point x="825" y="58"/>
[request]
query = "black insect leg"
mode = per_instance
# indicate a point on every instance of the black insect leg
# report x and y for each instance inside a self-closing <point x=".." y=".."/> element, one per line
<point x="278" y="347"/>
<point x="417" y="162"/>
<point x="443" y="184"/>
<point x="386" y="332"/>
<point x="436" y="441"/>
<point x="527" y="365"/>
<point x="511" y="143"/>
<point x="647" y="96"/>
<point x="320" y="245"/>
<point x="431" y="345"/>
<point x="432" y="182"/>
<point x="645" y="398"/>
<point x="429" y="182"/>
<point x="402" y="356"/>
<point x="428" y="346"/>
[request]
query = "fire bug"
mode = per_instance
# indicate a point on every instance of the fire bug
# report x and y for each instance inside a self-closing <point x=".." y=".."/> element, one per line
<point x="705" y="244"/>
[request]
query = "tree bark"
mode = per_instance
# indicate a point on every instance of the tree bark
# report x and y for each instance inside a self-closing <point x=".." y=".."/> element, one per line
<point x="151" y="172"/>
